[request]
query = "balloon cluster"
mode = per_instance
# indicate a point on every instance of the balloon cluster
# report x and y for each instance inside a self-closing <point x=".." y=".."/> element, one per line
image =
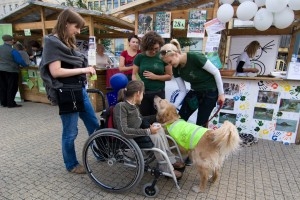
<point x="264" y="13"/>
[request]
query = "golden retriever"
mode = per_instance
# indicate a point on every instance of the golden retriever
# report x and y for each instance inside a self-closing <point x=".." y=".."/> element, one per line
<point x="212" y="147"/>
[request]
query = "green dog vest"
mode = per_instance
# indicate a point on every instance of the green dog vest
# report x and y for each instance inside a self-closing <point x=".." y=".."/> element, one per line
<point x="186" y="134"/>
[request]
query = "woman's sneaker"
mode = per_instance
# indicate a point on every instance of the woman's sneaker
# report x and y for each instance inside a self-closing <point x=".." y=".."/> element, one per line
<point x="79" y="169"/>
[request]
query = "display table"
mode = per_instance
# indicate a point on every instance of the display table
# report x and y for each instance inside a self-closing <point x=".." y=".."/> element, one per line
<point x="32" y="88"/>
<point x="31" y="85"/>
<point x="268" y="108"/>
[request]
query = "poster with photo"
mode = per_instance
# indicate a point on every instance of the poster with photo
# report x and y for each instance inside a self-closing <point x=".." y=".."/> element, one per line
<point x="197" y="18"/>
<point x="163" y="24"/>
<point x="267" y="97"/>
<point x="289" y="105"/>
<point x="145" y="24"/>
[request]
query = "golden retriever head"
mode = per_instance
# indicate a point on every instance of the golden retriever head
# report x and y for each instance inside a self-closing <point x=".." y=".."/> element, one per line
<point x="166" y="112"/>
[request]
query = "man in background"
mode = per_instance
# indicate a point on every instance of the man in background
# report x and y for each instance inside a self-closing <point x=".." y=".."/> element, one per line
<point x="10" y="60"/>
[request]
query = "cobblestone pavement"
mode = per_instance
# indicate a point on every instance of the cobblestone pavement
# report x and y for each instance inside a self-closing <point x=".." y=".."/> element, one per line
<point x="31" y="166"/>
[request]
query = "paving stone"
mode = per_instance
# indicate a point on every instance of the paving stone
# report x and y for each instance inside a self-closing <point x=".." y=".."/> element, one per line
<point x="32" y="168"/>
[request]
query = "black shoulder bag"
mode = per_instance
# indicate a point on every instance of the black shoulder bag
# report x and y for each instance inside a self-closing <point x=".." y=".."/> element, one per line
<point x="70" y="99"/>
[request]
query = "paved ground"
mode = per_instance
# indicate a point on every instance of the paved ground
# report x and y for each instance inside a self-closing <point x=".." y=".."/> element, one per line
<point x="31" y="166"/>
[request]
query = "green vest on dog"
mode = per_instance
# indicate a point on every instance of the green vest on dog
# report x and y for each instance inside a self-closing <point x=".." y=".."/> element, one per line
<point x="186" y="134"/>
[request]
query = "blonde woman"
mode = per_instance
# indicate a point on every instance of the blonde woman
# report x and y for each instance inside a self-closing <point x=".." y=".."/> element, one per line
<point x="204" y="77"/>
<point x="244" y="63"/>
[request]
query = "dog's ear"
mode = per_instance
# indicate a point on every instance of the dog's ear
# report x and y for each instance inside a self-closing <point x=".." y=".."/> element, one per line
<point x="160" y="116"/>
<point x="170" y="114"/>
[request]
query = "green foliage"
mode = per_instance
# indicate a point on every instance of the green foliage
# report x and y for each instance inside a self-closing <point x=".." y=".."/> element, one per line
<point x="77" y="3"/>
<point x="184" y="42"/>
<point x="106" y="43"/>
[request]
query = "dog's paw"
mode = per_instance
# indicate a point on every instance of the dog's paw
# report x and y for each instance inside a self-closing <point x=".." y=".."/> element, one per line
<point x="196" y="188"/>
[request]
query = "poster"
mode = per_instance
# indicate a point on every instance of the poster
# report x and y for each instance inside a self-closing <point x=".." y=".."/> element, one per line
<point x="163" y="24"/>
<point x="212" y="43"/>
<point x="213" y="26"/>
<point x="145" y="24"/>
<point x="40" y="83"/>
<point x="197" y="18"/>
<point x="265" y="58"/>
<point x="215" y="59"/>
<point x="5" y="29"/>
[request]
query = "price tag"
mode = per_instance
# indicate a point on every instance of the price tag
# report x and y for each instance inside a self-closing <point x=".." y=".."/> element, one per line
<point x="179" y="23"/>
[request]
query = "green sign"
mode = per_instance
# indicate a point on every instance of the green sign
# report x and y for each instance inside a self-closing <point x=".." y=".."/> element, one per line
<point x="5" y="29"/>
<point x="179" y="24"/>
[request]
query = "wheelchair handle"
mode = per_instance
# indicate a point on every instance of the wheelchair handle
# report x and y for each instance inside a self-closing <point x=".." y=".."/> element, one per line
<point x="97" y="91"/>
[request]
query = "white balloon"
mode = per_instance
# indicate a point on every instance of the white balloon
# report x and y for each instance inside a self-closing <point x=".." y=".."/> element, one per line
<point x="242" y="1"/>
<point x="246" y="10"/>
<point x="276" y="5"/>
<point x="284" y="18"/>
<point x="260" y="3"/>
<point x="227" y="1"/>
<point x="263" y="19"/>
<point x="225" y="13"/>
<point x="294" y="4"/>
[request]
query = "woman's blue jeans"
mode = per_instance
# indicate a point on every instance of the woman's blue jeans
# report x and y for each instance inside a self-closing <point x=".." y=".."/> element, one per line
<point x="70" y="130"/>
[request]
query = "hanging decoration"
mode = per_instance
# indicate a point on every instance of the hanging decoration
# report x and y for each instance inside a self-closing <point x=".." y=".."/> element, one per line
<point x="264" y="13"/>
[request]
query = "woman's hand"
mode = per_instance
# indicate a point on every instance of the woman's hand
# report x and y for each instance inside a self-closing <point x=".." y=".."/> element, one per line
<point x="221" y="99"/>
<point x="89" y="70"/>
<point x="148" y="75"/>
<point x="154" y="128"/>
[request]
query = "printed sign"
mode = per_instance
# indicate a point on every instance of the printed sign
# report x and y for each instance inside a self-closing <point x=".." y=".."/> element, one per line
<point x="179" y="23"/>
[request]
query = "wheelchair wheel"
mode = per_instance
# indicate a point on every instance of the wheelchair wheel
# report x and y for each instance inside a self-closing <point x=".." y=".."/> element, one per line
<point x="150" y="191"/>
<point x="113" y="162"/>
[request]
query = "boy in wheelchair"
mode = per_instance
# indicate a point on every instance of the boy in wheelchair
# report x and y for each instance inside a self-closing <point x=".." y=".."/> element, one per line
<point x="128" y="120"/>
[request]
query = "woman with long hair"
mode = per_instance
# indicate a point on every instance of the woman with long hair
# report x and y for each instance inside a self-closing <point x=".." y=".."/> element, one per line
<point x="63" y="65"/>
<point x="244" y="64"/>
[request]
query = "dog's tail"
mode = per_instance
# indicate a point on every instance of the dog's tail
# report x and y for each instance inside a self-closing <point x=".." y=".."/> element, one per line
<point x="227" y="138"/>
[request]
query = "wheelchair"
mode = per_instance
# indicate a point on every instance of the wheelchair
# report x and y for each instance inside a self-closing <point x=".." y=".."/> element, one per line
<point x="117" y="164"/>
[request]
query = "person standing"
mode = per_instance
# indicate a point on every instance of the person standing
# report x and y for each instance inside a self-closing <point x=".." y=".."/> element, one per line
<point x="10" y="62"/>
<point x="102" y="60"/>
<point x="151" y="70"/>
<point x="36" y="50"/>
<point x="62" y="65"/>
<point x="127" y="56"/>
<point x="204" y="78"/>
<point x="130" y="123"/>
<point x="244" y="64"/>
<point x="22" y="52"/>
